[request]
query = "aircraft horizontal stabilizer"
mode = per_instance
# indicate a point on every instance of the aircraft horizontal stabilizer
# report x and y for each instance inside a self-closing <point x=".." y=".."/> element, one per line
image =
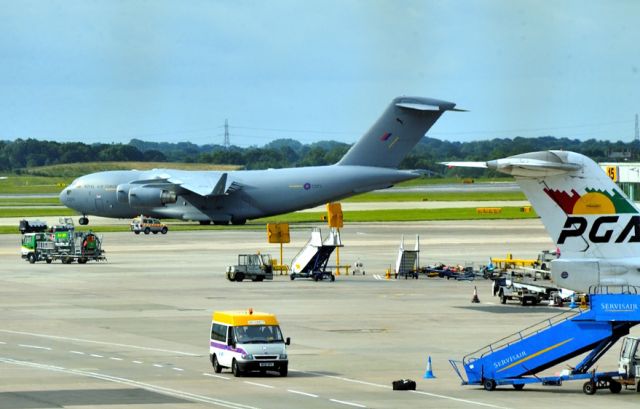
<point x="465" y="164"/>
<point x="534" y="164"/>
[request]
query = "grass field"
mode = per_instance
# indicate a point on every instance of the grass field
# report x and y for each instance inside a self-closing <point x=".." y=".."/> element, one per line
<point x="29" y="201"/>
<point x="52" y="179"/>
<point x="390" y="196"/>
<point x="361" y="216"/>
<point x="21" y="184"/>
<point x="35" y="212"/>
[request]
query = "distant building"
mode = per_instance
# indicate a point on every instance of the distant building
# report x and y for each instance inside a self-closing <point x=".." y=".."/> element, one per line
<point x="626" y="175"/>
<point x="624" y="154"/>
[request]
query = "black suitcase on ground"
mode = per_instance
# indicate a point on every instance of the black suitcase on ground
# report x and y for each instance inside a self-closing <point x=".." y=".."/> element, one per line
<point x="404" y="385"/>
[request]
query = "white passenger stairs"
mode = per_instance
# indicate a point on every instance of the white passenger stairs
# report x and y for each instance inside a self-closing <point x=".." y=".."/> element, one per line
<point x="316" y="252"/>
<point x="408" y="261"/>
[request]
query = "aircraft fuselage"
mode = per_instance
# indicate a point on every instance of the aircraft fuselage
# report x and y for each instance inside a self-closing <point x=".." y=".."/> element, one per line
<point x="260" y="193"/>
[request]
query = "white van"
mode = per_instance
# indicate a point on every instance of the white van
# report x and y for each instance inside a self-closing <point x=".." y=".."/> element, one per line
<point x="247" y="341"/>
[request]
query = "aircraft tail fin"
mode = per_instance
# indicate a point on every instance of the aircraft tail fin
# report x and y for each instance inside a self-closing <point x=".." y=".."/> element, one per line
<point x="583" y="210"/>
<point x="396" y="132"/>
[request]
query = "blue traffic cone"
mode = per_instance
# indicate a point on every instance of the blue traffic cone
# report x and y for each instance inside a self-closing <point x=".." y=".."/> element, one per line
<point x="428" y="374"/>
<point x="573" y="303"/>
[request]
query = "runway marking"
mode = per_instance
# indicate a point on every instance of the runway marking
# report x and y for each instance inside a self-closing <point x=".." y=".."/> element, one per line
<point x="357" y="405"/>
<point x="137" y="362"/>
<point x="130" y="382"/>
<point x="157" y="365"/>
<point x="471" y="402"/>
<point x="34" y="347"/>
<point x="178" y="369"/>
<point x="311" y="395"/>
<point x="221" y="377"/>
<point x="98" y="342"/>
<point x="262" y="385"/>
<point x="115" y="359"/>
<point x="76" y="352"/>
<point x="435" y="395"/>
<point x="216" y="376"/>
<point x="377" y="276"/>
<point x="96" y="356"/>
<point x="340" y="378"/>
<point x="3" y="343"/>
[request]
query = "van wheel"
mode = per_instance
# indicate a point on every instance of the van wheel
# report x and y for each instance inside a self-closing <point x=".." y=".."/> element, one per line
<point x="284" y="369"/>
<point x="239" y="277"/>
<point x="147" y="230"/>
<point x="235" y="369"/>
<point x="49" y="260"/>
<point x="216" y="366"/>
<point x="31" y="257"/>
<point x="164" y="230"/>
<point x="136" y="231"/>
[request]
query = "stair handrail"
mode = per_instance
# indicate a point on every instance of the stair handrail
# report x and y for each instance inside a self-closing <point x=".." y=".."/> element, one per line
<point x="604" y="289"/>
<point x="549" y="322"/>
<point x="300" y="251"/>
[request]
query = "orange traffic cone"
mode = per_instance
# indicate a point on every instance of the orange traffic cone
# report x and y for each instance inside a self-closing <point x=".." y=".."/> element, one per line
<point x="475" y="298"/>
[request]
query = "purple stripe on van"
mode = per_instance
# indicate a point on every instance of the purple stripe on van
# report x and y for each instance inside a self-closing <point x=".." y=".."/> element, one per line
<point x="226" y="347"/>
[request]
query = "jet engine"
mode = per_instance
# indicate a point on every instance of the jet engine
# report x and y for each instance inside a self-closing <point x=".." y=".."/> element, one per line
<point x="122" y="193"/>
<point x="150" y="197"/>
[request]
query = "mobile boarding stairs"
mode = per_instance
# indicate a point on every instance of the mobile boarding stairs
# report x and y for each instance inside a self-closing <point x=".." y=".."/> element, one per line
<point x="408" y="261"/>
<point x="517" y="359"/>
<point x="311" y="261"/>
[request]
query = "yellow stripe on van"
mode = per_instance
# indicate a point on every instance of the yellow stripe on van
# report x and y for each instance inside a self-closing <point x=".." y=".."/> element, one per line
<point x="235" y="318"/>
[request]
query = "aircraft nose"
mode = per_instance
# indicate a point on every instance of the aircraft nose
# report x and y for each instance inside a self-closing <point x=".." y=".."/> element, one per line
<point x="64" y="195"/>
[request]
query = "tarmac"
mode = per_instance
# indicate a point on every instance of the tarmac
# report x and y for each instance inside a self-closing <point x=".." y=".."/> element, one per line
<point x="133" y="331"/>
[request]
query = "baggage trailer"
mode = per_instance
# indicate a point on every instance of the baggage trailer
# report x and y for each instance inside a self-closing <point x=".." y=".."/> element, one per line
<point x="518" y="359"/>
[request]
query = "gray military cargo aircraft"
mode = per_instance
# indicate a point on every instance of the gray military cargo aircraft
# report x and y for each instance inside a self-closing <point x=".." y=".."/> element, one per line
<point x="224" y="197"/>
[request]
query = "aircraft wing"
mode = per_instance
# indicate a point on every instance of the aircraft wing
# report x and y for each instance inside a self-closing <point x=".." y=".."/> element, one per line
<point x="203" y="184"/>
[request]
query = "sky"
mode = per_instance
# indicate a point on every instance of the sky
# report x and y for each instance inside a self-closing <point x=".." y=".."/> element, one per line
<point x="109" y="71"/>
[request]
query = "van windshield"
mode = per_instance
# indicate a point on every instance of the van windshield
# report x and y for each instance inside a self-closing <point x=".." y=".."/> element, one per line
<point x="257" y="334"/>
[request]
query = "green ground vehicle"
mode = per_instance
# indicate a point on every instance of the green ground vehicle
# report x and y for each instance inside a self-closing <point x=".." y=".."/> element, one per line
<point x="62" y="243"/>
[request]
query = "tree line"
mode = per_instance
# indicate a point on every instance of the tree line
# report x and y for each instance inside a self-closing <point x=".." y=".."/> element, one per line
<point x="27" y="153"/>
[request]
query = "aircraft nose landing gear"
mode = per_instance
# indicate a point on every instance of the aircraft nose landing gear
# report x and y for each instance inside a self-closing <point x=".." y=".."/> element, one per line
<point x="84" y="220"/>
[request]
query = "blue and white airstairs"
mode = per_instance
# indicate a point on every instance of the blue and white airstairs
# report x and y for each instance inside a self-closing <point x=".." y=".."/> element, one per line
<point x="518" y="359"/>
<point x="311" y="261"/>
